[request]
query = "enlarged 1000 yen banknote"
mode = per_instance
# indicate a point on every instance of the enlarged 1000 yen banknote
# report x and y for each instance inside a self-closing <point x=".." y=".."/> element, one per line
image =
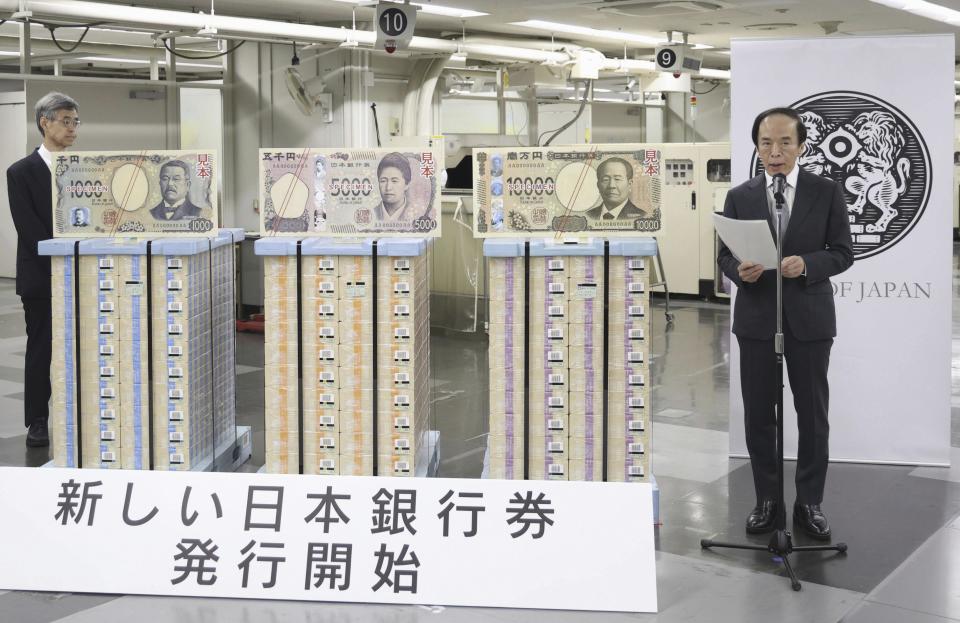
<point x="572" y="190"/>
<point x="349" y="192"/>
<point x="135" y="194"/>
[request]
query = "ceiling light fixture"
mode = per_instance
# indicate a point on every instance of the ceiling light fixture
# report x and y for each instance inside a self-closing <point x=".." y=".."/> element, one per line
<point x="432" y="9"/>
<point x="141" y="61"/>
<point x="614" y="35"/>
<point x="571" y="29"/>
<point x="722" y="74"/>
<point x="924" y="9"/>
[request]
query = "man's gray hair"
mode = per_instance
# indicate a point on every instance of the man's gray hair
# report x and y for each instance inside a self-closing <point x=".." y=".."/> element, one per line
<point x="48" y="105"/>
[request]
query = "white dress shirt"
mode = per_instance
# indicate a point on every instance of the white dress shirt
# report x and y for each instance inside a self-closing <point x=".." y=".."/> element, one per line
<point x="47" y="155"/>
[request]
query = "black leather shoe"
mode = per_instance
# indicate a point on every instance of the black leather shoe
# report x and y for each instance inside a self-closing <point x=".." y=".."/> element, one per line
<point x="37" y="436"/>
<point x="763" y="517"/>
<point x="812" y="520"/>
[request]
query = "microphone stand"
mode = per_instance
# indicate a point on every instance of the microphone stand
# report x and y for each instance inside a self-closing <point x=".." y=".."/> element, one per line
<point x="781" y="542"/>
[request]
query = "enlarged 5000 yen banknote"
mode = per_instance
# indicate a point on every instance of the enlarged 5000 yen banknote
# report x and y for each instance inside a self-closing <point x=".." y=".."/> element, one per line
<point x="134" y="194"/>
<point x="579" y="189"/>
<point x="346" y="192"/>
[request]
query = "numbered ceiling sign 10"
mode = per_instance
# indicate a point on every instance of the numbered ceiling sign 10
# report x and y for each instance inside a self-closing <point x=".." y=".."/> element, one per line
<point x="395" y="24"/>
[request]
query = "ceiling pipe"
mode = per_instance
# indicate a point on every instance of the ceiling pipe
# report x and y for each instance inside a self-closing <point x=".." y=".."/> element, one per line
<point x="45" y="46"/>
<point x="408" y="123"/>
<point x="170" y="20"/>
<point x="425" y="103"/>
<point x="164" y="19"/>
<point x="530" y="44"/>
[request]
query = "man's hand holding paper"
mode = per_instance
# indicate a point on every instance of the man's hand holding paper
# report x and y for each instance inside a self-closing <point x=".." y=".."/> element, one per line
<point x="750" y="271"/>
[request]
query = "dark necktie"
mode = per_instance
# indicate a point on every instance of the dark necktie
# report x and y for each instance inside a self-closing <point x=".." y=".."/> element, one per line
<point x="608" y="216"/>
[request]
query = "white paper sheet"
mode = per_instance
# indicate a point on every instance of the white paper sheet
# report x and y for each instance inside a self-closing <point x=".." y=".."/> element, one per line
<point x="747" y="240"/>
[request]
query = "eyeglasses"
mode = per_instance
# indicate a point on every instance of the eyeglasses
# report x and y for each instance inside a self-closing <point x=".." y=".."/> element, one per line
<point x="69" y="123"/>
<point x="767" y="147"/>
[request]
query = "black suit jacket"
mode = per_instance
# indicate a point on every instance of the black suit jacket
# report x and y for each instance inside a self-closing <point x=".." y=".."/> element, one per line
<point x="186" y="210"/>
<point x="629" y="211"/>
<point x="29" y="191"/>
<point x="819" y="232"/>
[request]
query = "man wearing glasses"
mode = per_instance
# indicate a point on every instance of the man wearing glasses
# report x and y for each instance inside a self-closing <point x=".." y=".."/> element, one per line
<point x="29" y="189"/>
<point x="816" y="246"/>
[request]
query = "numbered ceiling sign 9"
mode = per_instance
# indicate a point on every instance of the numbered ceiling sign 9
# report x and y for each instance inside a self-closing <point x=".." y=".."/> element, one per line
<point x="666" y="58"/>
<point x="395" y="24"/>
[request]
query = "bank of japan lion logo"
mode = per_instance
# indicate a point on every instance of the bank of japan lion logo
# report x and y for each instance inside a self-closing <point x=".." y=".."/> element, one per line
<point x="878" y="157"/>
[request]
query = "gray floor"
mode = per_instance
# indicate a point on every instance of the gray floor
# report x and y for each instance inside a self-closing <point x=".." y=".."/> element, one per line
<point x="901" y="522"/>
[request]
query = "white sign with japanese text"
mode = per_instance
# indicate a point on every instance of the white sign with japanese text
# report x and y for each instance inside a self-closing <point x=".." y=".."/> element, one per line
<point x="498" y="543"/>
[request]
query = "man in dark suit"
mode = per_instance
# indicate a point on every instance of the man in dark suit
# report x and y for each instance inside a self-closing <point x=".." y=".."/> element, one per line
<point x="816" y="246"/>
<point x="175" y="204"/>
<point x="29" y="189"/>
<point x="614" y="178"/>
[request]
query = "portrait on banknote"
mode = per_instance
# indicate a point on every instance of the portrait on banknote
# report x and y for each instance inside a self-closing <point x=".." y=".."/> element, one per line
<point x="350" y="192"/>
<point x="571" y="190"/>
<point x="134" y="194"/>
<point x="175" y="205"/>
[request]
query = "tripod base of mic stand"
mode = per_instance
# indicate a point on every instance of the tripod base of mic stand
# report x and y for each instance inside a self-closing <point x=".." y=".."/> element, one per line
<point x="781" y="544"/>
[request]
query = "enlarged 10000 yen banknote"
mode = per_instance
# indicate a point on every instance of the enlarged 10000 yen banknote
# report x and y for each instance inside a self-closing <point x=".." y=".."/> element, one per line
<point x="572" y="190"/>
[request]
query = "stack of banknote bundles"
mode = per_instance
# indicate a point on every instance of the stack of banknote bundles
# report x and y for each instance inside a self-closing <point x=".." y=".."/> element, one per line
<point x="403" y="345"/>
<point x="629" y="366"/>
<point x="183" y="399"/>
<point x="115" y="359"/>
<point x="570" y="287"/>
<point x="320" y="375"/>
<point x="112" y="348"/>
<point x="280" y="354"/>
<point x="347" y="304"/>
<point x="223" y="279"/>
<point x="585" y="311"/>
<point x="337" y="341"/>
<point x="507" y="330"/>
<point x="356" y="360"/>
<point x="549" y="378"/>
<point x="63" y="424"/>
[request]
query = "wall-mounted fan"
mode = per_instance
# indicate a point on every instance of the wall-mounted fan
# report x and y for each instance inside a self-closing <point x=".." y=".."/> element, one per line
<point x="308" y="94"/>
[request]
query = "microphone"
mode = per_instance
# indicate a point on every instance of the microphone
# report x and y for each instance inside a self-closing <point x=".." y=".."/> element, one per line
<point x="779" y="185"/>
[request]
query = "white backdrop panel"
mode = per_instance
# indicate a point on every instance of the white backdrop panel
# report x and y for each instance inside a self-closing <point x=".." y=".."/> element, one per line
<point x="890" y="366"/>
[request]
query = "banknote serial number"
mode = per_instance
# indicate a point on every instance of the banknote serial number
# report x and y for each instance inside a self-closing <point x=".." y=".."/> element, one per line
<point x="350" y="187"/>
<point x="86" y="188"/>
<point x="531" y="185"/>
